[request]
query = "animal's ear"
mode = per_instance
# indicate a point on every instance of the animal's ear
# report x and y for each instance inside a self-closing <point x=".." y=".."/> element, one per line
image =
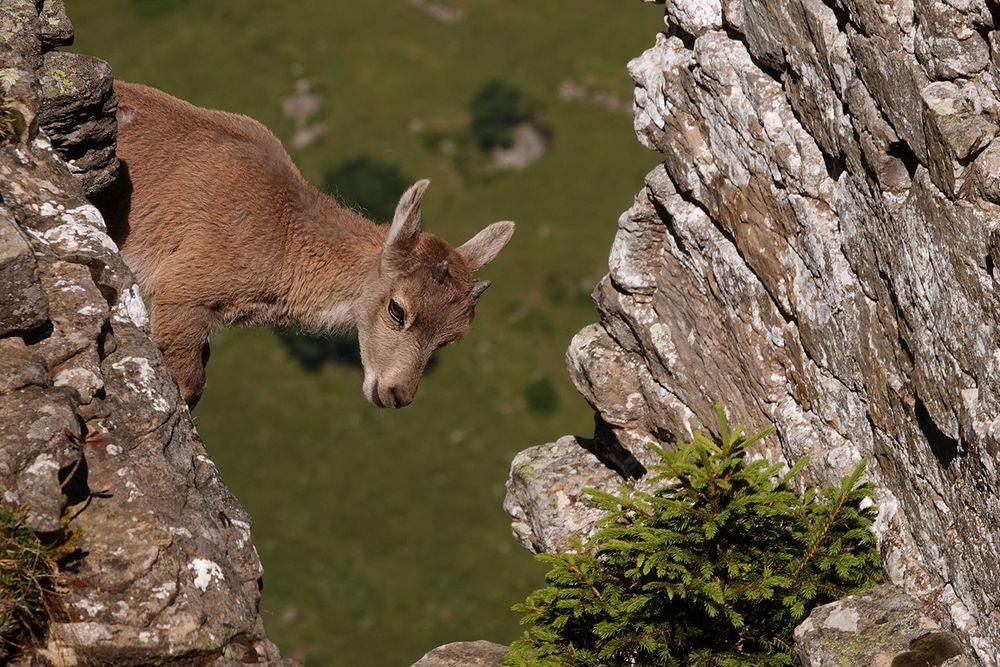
<point x="405" y="226"/>
<point x="483" y="248"/>
<point x="478" y="288"/>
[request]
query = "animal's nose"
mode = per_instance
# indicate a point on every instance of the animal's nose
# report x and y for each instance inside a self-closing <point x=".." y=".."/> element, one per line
<point x="399" y="397"/>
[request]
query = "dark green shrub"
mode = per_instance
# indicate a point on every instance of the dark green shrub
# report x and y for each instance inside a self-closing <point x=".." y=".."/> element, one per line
<point x="367" y="185"/>
<point x="716" y="567"/>
<point x="496" y="110"/>
<point x="541" y="396"/>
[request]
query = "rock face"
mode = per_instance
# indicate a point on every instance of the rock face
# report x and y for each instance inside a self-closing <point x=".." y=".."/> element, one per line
<point x="167" y="572"/>
<point x="819" y="249"/>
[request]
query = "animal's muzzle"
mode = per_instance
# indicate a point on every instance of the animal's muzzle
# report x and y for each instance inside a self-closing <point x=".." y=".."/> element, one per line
<point x="394" y="396"/>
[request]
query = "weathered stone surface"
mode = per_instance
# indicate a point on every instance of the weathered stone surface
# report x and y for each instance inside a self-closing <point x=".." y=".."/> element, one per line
<point x="946" y="41"/>
<point x="547" y="499"/>
<point x="23" y="306"/>
<point x="984" y="175"/>
<point x="91" y="423"/>
<point x="20" y="366"/>
<point x="55" y="28"/>
<point x="957" y="130"/>
<point x="695" y="16"/>
<point x="818" y="250"/>
<point x="883" y="626"/>
<point x="464" y="654"/>
<point x="77" y="113"/>
<point x="34" y="448"/>
<point x="20" y="39"/>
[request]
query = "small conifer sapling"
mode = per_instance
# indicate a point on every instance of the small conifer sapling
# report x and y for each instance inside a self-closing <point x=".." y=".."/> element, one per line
<point x="715" y="567"/>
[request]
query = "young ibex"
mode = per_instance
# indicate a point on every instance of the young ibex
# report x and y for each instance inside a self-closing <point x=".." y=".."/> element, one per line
<point x="221" y="229"/>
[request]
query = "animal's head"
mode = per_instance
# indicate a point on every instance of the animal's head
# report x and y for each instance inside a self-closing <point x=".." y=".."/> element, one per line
<point x="422" y="295"/>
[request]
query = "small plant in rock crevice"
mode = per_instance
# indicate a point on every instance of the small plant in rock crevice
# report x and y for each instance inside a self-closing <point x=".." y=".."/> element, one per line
<point x="7" y="123"/>
<point x="715" y="567"/>
<point x="28" y="568"/>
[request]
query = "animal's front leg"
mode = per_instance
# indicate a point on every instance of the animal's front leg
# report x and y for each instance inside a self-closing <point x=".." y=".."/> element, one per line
<point x="182" y="331"/>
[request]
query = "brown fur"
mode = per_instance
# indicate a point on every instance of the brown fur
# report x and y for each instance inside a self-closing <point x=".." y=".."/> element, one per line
<point x="221" y="229"/>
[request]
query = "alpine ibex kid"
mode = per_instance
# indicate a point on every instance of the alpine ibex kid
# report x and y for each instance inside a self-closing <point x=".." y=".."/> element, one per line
<point x="221" y="229"/>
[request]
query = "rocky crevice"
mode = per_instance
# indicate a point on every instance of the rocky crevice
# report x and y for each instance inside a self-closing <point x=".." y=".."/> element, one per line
<point x="167" y="571"/>
<point x="816" y="250"/>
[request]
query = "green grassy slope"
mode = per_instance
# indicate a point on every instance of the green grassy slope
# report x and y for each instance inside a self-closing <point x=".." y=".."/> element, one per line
<point x="382" y="533"/>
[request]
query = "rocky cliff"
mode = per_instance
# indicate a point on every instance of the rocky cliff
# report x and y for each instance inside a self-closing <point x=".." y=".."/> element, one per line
<point x="89" y="416"/>
<point x="817" y="249"/>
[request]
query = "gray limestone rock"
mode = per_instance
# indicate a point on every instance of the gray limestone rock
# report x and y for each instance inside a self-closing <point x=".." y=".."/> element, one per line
<point x="23" y="306"/>
<point x="547" y="498"/>
<point x="464" y="654"/>
<point x="20" y="36"/>
<point x="78" y="116"/>
<point x="20" y="366"/>
<point x="818" y="250"/>
<point x="883" y="626"/>
<point x="55" y="28"/>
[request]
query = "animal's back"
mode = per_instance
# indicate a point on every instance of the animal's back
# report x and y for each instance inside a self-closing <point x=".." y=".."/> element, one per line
<point x="199" y="184"/>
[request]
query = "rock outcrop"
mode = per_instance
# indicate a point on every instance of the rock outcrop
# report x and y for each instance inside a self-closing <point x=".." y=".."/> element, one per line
<point x="464" y="654"/>
<point x="89" y="416"/>
<point x="883" y="626"/>
<point x="819" y="249"/>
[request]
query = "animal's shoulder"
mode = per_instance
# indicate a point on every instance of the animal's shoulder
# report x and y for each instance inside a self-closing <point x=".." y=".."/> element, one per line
<point x="216" y="153"/>
<point x="143" y="109"/>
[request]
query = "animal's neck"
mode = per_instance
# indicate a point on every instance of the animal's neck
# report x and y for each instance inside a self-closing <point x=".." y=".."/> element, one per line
<point x="332" y="252"/>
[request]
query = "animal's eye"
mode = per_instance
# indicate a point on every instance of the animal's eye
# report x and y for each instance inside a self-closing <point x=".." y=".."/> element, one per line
<point x="396" y="312"/>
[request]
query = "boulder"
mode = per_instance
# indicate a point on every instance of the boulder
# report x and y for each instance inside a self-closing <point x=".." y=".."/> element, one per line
<point x="464" y="654"/>
<point x="883" y="626"/>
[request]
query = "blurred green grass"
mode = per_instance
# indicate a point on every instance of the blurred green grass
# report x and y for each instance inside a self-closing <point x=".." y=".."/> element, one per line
<point x="382" y="533"/>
